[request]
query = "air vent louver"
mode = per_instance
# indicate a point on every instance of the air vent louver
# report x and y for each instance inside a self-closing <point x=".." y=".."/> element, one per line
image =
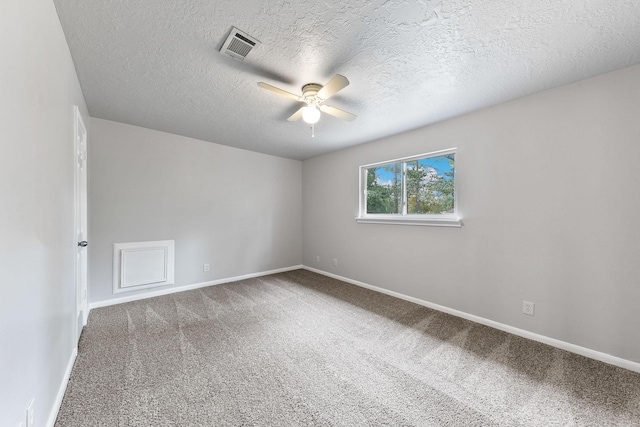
<point x="239" y="44"/>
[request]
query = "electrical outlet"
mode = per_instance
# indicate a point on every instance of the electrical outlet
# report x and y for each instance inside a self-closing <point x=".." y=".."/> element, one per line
<point x="206" y="268"/>
<point x="317" y="258"/>
<point x="30" y="413"/>
<point x="335" y="262"/>
<point x="528" y="307"/>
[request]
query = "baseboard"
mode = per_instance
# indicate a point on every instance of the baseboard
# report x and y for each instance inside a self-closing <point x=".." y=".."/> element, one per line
<point x="151" y="294"/>
<point x="583" y="351"/>
<point x="63" y="387"/>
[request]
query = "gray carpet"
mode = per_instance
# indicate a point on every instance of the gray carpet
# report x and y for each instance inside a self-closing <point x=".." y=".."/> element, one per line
<point x="298" y="348"/>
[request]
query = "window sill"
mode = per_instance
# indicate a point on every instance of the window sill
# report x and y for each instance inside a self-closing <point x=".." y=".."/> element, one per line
<point x="429" y="222"/>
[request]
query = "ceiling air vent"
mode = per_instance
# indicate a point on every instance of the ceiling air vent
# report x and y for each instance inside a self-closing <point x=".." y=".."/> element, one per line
<point x="239" y="44"/>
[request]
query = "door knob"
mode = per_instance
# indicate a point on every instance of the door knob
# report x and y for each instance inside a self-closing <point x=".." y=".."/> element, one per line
<point x="83" y="243"/>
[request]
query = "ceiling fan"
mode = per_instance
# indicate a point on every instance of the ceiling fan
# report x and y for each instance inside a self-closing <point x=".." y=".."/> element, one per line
<point x="314" y="95"/>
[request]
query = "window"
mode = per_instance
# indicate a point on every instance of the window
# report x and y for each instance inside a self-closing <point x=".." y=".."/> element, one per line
<point x="417" y="190"/>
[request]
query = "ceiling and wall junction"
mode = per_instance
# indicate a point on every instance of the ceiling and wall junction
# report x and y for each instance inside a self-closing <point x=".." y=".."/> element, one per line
<point x="157" y="64"/>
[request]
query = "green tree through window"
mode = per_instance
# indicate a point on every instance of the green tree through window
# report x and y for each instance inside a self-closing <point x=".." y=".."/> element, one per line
<point x="420" y="186"/>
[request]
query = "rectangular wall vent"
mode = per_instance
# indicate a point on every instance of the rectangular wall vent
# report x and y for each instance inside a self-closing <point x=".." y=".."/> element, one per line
<point x="239" y="44"/>
<point x="142" y="265"/>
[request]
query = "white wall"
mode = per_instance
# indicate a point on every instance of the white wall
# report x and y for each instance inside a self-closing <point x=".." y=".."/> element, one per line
<point x="38" y="87"/>
<point x="548" y="191"/>
<point x="237" y="210"/>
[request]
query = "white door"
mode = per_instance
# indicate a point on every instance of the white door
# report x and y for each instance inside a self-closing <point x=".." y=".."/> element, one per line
<point x="81" y="222"/>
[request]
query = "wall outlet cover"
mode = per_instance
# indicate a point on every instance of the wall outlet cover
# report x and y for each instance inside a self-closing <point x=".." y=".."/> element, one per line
<point x="528" y="308"/>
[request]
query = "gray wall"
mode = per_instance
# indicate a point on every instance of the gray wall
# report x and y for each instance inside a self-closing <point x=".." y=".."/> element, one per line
<point x="237" y="210"/>
<point x="38" y="87"/>
<point x="548" y="192"/>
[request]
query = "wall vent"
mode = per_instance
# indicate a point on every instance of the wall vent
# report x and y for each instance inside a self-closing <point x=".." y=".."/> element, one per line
<point x="239" y="44"/>
<point x="142" y="265"/>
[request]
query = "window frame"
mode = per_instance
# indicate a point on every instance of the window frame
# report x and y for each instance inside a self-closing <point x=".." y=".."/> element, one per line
<point x="434" y="220"/>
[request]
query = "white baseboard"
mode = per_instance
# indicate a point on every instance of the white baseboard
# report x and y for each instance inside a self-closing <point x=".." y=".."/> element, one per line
<point x="63" y="387"/>
<point x="583" y="351"/>
<point x="151" y="294"/>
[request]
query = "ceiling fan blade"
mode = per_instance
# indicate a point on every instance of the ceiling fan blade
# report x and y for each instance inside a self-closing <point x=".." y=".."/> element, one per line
<point x="280" y="92"/>
<point x="296" y="116"/>
<point x="336" y="112"/>
<point x="337" y="83"/>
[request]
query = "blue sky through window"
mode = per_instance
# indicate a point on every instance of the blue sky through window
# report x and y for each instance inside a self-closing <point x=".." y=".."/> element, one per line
<point x="440" y="164"/>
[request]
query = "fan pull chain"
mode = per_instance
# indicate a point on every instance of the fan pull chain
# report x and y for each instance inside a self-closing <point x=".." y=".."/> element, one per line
<point x="313" y="131"/>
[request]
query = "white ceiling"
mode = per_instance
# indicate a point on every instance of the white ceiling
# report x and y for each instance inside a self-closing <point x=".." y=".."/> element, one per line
<point x="157" y="63"/>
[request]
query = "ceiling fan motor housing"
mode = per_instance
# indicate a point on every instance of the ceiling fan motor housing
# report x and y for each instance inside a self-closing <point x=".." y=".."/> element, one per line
<point x="310" y="93"/>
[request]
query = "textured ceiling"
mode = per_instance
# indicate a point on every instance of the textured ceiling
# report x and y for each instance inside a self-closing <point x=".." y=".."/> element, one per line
<point x="157" y="63"/>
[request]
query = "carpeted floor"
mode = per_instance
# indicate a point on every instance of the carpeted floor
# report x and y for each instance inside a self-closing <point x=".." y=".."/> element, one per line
<point x="298" y="348"/>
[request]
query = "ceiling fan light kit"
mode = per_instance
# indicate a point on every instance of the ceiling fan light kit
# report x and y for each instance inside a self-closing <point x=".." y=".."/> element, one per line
<point x="314" y="96"/>
<point x="310" y="114"/>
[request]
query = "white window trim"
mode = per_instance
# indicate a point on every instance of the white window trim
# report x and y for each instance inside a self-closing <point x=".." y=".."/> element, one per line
<point x="443" y="220"/>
